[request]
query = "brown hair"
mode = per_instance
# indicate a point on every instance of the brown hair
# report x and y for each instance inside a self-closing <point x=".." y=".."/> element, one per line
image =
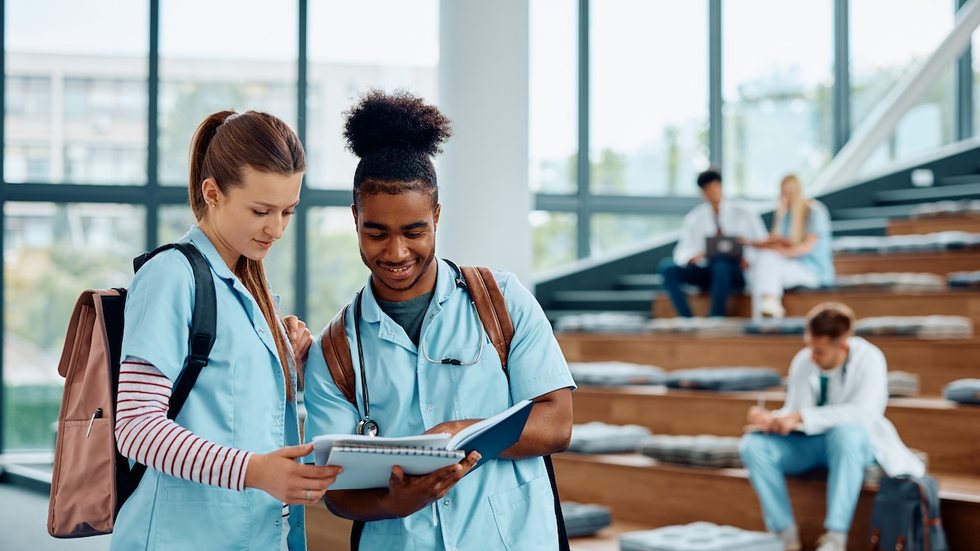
<point x="223" y="144"/>
<point x="830" y="319"/>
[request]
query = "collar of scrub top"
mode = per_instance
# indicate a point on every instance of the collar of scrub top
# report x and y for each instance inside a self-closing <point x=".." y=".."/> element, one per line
<point x="445" y="286"/>
<point x="448" y="279"/>
<point x="218" y="265"/>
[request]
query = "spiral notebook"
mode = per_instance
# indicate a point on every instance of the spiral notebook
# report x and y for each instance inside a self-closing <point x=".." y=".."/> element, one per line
<point x="367" y="461"/>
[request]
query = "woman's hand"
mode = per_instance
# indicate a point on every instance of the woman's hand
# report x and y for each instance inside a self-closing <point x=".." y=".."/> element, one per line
<point x="300" y="337"/>
<point x="279" y="475"/>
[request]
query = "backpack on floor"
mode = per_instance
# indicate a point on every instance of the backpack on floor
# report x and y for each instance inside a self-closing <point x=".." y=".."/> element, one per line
<point x="906" y="515"/>
<point x="91" y="478"/>
<point x="490" y="307"/>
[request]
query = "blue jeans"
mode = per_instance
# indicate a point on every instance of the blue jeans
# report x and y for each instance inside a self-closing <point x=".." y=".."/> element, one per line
<point x="843" y="450"/>
<point x="722" y="276"/>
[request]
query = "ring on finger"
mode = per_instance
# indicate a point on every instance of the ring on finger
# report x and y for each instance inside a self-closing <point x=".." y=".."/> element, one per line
<point x="309" y="494"/>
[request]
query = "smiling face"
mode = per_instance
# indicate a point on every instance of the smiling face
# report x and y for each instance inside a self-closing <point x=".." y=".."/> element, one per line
<point x="250" y="217"/>
<point x="397" y="237"/>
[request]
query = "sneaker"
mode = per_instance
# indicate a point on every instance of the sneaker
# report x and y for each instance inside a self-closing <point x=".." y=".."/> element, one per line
<point x="791" y="539"/>
<point x="832" y="541"/>
<point x="772" y="308"/>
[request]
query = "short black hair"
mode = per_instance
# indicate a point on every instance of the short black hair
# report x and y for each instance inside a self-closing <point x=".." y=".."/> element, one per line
<point x="708" y="176"/>
<point x="395" y="135"/>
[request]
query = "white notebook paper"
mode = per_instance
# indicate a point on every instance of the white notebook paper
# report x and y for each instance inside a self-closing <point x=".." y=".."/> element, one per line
<point x="368" y="460"/>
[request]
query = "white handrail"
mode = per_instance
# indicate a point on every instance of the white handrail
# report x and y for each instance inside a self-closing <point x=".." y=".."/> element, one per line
<point x="843" y="168"/>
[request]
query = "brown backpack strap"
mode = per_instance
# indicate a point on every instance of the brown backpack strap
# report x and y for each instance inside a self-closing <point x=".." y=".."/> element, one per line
<point x="490" y="306"/>
<point x="336" y="352"/>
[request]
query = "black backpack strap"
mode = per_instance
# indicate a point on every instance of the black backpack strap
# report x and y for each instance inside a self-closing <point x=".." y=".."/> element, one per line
<point x="201" y="340"/>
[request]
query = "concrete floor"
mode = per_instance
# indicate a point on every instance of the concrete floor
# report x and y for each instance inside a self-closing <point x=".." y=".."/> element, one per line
<point x="23" y="524"/>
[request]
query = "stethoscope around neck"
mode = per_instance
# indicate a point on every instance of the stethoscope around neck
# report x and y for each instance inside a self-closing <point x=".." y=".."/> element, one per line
<point x="368" y="426"/>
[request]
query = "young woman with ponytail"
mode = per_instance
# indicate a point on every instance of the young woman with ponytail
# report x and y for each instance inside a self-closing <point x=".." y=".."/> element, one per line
<point x="224" y="474"/>
<point x="798" y="252"/>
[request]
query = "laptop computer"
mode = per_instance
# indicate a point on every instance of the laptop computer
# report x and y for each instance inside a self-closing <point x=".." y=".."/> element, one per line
<point x="724" y="246"/>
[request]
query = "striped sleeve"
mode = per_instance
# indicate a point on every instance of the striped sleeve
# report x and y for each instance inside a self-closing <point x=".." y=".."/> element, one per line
<point x="145" y="434"/>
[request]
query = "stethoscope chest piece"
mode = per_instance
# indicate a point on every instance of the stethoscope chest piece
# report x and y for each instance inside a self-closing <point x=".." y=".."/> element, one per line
<point x="367" y="427"/>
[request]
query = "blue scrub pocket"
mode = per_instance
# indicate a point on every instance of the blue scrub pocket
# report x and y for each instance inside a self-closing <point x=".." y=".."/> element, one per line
<point x="201" y="517"/>
<point x="525" y="516"/>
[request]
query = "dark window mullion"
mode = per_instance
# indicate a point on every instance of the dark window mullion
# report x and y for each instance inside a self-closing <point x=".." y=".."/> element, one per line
<point x="301" y="220"/>
<point x="152" y="129"/>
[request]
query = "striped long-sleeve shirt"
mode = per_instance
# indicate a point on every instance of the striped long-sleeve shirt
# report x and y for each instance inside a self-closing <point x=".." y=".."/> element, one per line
<point x="145" y="434"/>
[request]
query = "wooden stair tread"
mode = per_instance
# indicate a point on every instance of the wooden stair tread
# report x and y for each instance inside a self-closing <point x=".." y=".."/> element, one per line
<point x="864" y="302"/>
<point x="676" y="494"/>
<point x="932" y="224"/>
<point x="940" y="263"/>
<point x="937" y="362"/>
<point x="953" y="449"/>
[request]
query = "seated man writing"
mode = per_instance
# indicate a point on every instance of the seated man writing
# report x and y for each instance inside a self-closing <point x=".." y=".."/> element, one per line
<point x="833" y="418"/>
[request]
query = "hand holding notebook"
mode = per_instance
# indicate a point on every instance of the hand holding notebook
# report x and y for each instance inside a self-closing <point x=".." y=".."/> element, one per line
<point x="367" y="460"/>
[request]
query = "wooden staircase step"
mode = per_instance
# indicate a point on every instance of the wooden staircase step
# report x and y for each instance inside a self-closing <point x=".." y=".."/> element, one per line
<point x="865" y="303"/>
<point x="641" y="490"/>
<point x="948" y="432"/>
<point x="937" y="362"/>
<point x="932" y="224"/>
<point x="940" y="263"/>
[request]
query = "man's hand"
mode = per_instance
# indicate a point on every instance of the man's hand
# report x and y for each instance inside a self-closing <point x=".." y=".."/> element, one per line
<point x="408" y="494"/>
<point x="696" y="259"/>
<point x="760" y="417"/>
<point x="786" y="424"/>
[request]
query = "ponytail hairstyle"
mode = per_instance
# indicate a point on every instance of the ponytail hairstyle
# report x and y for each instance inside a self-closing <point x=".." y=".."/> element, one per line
<point x="223" y="145"/>
<point x="395" y="135"/>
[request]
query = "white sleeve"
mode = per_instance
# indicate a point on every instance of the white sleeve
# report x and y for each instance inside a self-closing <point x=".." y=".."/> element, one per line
<point x="798" y="395"/>
<point x="866" y="403"/>
<point x="689" y="244"/>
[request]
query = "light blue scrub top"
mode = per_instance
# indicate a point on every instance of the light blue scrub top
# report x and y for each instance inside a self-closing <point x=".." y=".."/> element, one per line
<point x="504" y="504"/>
<point x="820" y="259"/>
<point x="239" y="400"/>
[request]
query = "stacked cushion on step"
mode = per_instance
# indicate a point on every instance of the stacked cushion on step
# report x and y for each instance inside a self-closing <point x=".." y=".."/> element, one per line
<point x="964" y="279"/>
<point x="584" y="519"/>
<point x="929" y="242"/>
<point x="890" y="280"/>
<point x="615" y="373"/>
<point x="596" y="437"/>
<point x="699" y="536"/>
<point x="602" y="322"/>
<point x="941" y="208"/>
<point x="927" y="327"/>
<point x="964" y="391"/>
<point x="705" y="327"/>
<point x="724" y="378"/>
<point x="701" y="451"/>
<point x="903" y="383"/>
<point x="783" y="326"/>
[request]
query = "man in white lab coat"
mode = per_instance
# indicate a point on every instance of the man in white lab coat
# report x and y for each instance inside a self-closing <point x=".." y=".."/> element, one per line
<point x="690" y="265"/>
<point x="834" y="417"/>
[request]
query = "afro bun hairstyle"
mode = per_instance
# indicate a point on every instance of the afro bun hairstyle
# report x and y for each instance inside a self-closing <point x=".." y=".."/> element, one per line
<point x="395" y="135"/>
<point x="398" y="120"/>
